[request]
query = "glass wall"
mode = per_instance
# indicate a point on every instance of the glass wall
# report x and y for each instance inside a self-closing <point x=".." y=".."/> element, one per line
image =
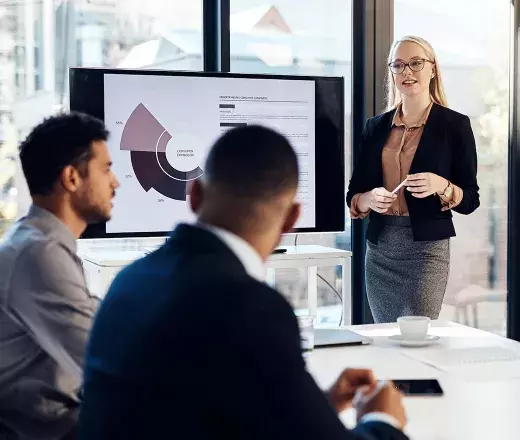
<point x="41" y="39"/>
<point x="471" y="38"/>
<point x="282" y="37"/>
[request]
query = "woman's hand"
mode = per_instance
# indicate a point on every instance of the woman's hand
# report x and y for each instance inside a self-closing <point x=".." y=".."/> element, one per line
<point x="379" y="200"/>
<point x="422" y="185"/>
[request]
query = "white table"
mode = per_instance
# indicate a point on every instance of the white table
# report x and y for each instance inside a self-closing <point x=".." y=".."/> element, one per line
<point x="103" y="260"/>
<point x="311" y="257"/>
<point x="470" y="409"/>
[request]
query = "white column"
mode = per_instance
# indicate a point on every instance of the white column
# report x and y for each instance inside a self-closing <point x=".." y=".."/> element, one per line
<point x="49" y="30"/>
<point x="312" y="290"/>
<point x="29" y="48"/>
<point x="345" y="290"/>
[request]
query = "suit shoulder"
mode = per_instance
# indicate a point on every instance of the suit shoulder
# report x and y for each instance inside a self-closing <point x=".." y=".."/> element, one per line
<point x="243" y="283"/>
<point x="261" y="296"/>
<point x="381" y="118"/>
<point x="453" y="115"/>
<point x="47" y="257"/>
<point x="132" y="277"/>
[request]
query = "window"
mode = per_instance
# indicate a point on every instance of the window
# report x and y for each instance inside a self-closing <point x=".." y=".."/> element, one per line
<point x="47" y="37"/>
<point x="474" y="59"/>
<point x="282" y="37"/>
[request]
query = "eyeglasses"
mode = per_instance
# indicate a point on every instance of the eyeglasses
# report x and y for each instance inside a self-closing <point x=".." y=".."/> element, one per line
<point x="416" y="65"/>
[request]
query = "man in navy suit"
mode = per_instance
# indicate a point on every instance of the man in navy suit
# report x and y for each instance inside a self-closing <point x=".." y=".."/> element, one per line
<point x="191" y="343"/>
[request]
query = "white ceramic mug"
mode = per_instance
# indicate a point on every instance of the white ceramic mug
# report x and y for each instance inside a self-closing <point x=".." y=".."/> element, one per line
<point x="414" y="327"/>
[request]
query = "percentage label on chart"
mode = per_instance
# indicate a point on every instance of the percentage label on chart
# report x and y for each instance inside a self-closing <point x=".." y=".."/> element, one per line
<point x="128" y="176"/>
<point x="160" y="200"/>
<point x="119" y="122"/>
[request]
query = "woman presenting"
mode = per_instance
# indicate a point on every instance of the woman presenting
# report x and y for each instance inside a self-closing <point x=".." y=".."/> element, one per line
<point x="421" y="141"/>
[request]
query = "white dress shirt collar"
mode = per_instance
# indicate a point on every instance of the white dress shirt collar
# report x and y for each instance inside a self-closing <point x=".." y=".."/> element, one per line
<point x="247" y="255"/>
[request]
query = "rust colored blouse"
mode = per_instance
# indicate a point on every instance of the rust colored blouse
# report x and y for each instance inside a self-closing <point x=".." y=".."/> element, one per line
<point x="397" y="156"/>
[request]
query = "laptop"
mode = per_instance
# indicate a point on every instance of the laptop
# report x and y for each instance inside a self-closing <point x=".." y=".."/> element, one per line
<point x="331" y="337"/>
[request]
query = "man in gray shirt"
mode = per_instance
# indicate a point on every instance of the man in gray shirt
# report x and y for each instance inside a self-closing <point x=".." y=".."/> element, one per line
<point x="45" y="308"/>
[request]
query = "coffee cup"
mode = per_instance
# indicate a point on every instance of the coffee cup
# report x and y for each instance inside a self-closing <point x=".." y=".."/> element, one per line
<point x="414" y="327"/>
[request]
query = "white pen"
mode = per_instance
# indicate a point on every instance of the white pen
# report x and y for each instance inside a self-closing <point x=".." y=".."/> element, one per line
<point x="360" y="397"/>
<point x="399" y="187"/>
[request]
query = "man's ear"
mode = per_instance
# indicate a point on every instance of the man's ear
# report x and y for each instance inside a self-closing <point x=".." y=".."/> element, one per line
<point x="70" y="179"/>
<point x="292" y="217"/>
<point x="196" y="192"/>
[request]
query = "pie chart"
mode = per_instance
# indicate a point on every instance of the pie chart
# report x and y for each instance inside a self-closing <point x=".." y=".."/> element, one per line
<point x="159" y="160"/>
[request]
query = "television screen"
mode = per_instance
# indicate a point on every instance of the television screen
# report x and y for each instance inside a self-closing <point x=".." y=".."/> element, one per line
<point x="162" y="124"/>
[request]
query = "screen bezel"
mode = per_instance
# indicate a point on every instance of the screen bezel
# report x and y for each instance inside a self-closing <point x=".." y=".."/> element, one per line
<point x="330" y="121"/>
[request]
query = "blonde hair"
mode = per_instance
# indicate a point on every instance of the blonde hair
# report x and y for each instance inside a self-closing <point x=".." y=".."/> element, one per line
<point x="437" y="94"/>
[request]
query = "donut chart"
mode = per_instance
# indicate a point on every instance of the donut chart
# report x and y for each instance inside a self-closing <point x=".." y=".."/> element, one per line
<point x="147" y="140"/>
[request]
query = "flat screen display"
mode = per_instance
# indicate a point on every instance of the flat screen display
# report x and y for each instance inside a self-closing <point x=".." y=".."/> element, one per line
<point x="162" y="125"/>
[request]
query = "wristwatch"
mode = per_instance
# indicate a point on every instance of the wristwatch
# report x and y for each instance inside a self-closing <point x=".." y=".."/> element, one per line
<point x="448" y="192"/>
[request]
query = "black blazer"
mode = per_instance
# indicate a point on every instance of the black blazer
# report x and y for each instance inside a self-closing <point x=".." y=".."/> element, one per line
<point x="447" y="148"/>
<point x="187" y="345"/>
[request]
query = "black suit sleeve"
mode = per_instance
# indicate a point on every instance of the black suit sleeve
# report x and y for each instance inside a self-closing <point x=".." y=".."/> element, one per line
<point x="299" y="408"/>
<point x="464" y="168"/>
<point x="357" y="182"/>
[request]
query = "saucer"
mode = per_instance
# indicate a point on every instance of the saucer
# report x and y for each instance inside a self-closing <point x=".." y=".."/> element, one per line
<point x="414" y="342"/>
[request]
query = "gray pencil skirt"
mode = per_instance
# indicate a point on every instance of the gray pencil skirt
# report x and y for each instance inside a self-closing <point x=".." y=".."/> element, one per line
<point x="403" y="276"/>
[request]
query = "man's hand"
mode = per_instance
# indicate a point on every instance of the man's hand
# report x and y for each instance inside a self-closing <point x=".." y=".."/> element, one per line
<point x="387" y="399"/>
<point x="349" y="381"/>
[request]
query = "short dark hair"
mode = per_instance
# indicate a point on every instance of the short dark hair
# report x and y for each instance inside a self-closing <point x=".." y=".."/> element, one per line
<point x="252" y="162"/>
<point x="58" y="141"/>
